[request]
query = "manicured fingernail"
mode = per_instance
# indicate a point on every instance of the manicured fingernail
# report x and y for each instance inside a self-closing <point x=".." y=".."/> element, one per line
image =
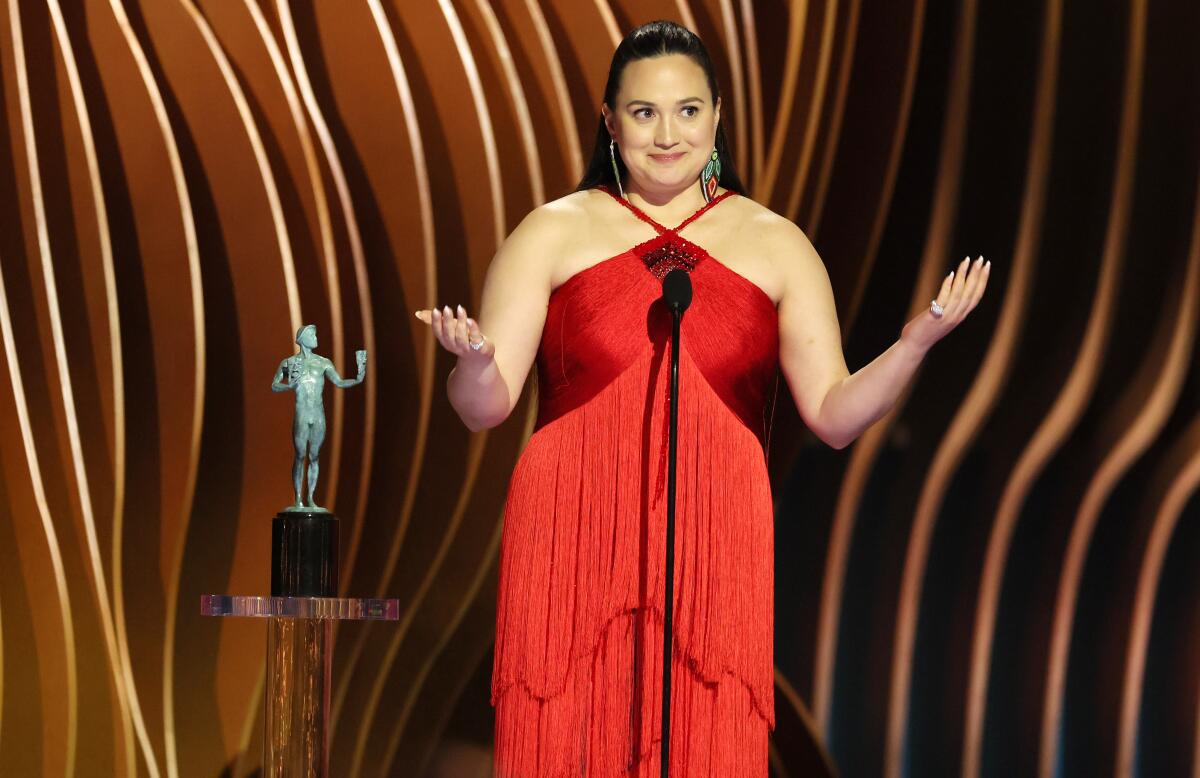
<point x="461" y="312"/>
<point x="951" y="275"/>
<point x="470" y="322"/>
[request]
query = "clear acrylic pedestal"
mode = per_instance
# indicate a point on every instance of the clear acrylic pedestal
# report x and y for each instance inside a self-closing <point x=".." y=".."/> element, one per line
<point x="299" y="664"/>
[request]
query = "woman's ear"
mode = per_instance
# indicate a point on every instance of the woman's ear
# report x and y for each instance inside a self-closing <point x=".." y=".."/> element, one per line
<point x="609" y="120"/>
<point x="717" y="114"/>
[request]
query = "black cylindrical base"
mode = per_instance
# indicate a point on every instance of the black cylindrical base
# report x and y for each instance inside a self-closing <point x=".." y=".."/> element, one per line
<point x="304" y="554"/>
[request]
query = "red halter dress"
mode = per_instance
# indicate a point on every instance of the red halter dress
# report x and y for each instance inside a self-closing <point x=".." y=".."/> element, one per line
<point x="577" y="677"/>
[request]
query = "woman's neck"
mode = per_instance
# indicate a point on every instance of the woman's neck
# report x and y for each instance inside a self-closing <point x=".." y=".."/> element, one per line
<point x="673" y="205"/>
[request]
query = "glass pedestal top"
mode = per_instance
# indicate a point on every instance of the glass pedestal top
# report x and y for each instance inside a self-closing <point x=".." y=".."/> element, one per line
<point x="352" y="608"/>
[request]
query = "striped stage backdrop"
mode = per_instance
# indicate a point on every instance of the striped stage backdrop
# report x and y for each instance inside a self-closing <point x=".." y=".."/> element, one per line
<point x="1000" y="578"/>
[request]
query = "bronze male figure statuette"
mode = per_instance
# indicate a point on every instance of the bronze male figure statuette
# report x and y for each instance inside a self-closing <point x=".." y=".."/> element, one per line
<point x="306" y="373"/>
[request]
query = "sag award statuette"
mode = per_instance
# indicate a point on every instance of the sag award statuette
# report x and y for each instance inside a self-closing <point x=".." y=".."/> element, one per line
<point x="304" y="536"/>
<point x="306" y="373"/>
<point x="304" y="584"/>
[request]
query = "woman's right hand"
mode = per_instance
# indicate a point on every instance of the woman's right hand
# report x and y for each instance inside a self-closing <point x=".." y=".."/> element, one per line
<point x="456" y="332"/>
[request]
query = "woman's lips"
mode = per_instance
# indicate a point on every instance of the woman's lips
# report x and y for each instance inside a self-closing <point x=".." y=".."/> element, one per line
<point x="664" y="158"/>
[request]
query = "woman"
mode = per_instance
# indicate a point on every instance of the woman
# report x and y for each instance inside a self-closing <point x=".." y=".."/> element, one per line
<point x="577" y="674"/>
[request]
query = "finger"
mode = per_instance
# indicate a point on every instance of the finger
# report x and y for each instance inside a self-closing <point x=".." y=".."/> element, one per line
<point x="460" y="328"/>
<point x="448" y="326"/>
<point x="441" y="321"/>
<point x="475" y="335"/>
<point x="425" y="316"/>
<point x="960" y="279"/>
<point x="435" y="324"/>
<point x="984" y="273"/>
<point x="943" y="295"/>
<point x="947" y="300"/>
<point x="975" y="275"/>
<point x="944" y="292"/>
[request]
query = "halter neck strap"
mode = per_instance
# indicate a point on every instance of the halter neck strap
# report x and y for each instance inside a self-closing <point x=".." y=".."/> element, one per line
<point x="638" y="212"/>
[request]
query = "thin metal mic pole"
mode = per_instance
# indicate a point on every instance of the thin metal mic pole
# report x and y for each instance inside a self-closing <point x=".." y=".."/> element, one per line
<point x="677" y="291"/>
<point x="669" y="596"/>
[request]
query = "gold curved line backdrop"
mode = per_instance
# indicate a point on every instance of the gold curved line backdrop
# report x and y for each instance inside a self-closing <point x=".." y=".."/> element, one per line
<point x="1001" y="577"/>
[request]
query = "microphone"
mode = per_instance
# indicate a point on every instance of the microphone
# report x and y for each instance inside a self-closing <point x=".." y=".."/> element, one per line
<point x="677" y="294"/>
<point x="677" y="290"/>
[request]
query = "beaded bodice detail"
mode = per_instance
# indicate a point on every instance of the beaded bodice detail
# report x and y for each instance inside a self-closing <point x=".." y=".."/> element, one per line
<point x="670" y="255"/>
<point x="669" y="250"/>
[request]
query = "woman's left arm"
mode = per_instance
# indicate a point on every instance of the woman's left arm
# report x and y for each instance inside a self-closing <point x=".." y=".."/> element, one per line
<point x="835" y="404"/>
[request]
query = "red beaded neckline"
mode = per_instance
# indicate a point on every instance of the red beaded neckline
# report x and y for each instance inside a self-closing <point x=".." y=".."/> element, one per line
<point x="670" y="251"/>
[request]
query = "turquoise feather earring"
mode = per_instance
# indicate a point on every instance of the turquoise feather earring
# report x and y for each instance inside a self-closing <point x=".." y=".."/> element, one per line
<point x="709" y="177"/>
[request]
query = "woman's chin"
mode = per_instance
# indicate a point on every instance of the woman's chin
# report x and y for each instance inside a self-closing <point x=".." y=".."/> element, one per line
<point x="670" y="181"/>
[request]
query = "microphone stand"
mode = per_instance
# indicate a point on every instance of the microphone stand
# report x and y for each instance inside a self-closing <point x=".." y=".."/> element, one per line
<point x="677" y="293"/>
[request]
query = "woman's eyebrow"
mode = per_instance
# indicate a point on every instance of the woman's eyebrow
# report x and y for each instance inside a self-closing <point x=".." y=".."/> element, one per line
<point x="655" y="105"/>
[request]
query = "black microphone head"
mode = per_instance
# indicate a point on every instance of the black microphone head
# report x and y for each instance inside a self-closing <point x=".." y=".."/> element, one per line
<point x="677" y="289"/>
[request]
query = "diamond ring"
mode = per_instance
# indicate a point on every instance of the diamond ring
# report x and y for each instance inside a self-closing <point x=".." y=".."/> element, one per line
<point x="476" y="346"/>
<point x="936" y="309"/>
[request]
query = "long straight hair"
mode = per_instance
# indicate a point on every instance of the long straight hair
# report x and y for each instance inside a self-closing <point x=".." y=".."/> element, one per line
<point x="655" y="39"/>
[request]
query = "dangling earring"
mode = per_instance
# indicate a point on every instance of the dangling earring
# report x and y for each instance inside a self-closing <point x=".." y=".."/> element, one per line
<point x="612" y="155"/>
<point x="709" y="177"/>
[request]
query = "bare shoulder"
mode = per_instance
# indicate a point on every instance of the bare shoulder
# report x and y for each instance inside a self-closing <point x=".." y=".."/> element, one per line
<point x="552" y="221"/>
<point x="783" y="255"/>
<point x="527" y="256"/>
<point x="779" y="233"/>
<point x="539" y="237"/>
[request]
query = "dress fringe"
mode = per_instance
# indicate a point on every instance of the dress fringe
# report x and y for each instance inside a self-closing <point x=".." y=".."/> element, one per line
<point x="581" y="565"/>
<point x="715" y="728"/>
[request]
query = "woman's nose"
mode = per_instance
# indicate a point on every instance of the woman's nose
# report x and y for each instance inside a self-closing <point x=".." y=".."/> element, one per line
<point x="665" y="136"/>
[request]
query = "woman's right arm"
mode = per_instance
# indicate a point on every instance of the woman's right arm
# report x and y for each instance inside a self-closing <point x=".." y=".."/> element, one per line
<point x="485" y="385"/>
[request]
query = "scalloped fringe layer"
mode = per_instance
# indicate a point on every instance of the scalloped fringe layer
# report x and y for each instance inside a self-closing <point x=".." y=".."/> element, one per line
<point x="607" y="720"/>
<point x="680" y="656"/>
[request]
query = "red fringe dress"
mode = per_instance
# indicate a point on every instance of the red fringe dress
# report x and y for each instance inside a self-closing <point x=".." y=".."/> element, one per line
<point x="577" y="677"/>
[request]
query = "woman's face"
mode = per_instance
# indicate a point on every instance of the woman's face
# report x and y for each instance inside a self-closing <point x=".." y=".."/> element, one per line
<point x="664" y="122"/>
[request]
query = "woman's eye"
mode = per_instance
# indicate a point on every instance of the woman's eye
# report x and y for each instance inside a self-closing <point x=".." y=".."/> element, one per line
<point x="643" y="113"/>
<point x="694" y="110"/>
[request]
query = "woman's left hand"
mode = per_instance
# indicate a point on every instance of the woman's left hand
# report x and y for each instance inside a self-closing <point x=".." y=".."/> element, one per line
<point x="960" y="293"/>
